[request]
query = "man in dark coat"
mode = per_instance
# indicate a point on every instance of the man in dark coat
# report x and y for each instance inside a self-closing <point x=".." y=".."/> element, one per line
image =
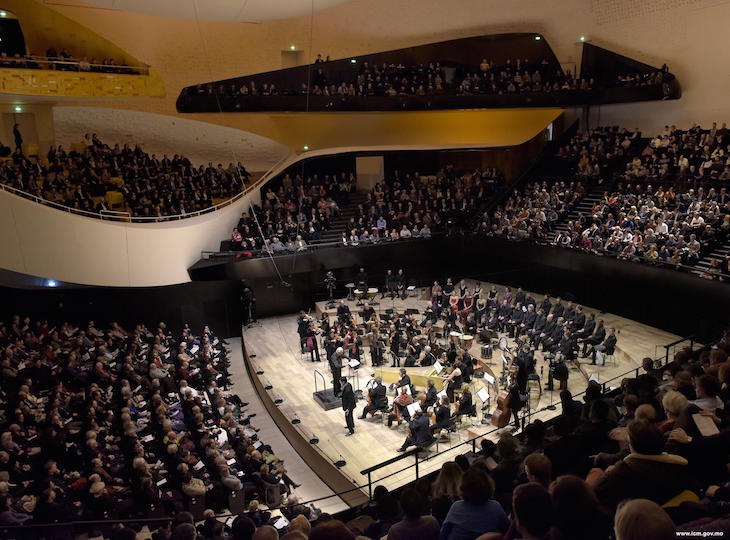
<point x="378" y="399"/>
<point x="348" y="405"/>
<point x="419" y="434"/>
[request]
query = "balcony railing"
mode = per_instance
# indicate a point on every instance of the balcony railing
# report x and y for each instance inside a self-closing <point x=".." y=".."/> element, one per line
<point x="70" y="64"/>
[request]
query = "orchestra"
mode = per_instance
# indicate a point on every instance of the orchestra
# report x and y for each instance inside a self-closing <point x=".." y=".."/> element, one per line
<point x="440" y="337"/>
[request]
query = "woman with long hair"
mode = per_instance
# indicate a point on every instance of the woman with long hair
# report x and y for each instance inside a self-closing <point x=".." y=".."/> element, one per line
<point x="446" y="490"/>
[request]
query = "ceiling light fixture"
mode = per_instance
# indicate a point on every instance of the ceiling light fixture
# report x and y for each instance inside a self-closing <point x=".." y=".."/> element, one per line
<point x="18" y="108"/>
<point x="582" y="39"/>
<point x="292" y="47"/>
<point x="306" y="148"/>
<point x="538" y="38"/>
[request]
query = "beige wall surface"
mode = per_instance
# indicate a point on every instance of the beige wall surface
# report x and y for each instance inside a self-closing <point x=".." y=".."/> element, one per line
<point x="45" y="242"/>
<point x="687" y="34"/>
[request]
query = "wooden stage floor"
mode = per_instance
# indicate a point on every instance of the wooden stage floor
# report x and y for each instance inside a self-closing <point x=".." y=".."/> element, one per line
<point x="291" y="375"/>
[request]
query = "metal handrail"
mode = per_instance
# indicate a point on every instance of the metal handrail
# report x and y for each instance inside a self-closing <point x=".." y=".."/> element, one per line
<point x="115" y="69"/>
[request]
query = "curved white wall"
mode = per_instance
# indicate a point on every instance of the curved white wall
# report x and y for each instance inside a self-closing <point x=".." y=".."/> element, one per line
<point x="50" y="243"/>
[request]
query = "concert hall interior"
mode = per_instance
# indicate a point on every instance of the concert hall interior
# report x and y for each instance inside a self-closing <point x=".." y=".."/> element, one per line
<point x="358" y="269"/>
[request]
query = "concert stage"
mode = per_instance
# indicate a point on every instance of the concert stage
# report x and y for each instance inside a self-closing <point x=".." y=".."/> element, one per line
<point x="291" y="377"/>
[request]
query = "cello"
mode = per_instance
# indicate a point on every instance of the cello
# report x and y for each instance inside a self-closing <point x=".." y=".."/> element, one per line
<point x="501" y="415"/>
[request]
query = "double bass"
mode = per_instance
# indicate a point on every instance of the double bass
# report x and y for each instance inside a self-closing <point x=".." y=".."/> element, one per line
<point x="501" y="415"/>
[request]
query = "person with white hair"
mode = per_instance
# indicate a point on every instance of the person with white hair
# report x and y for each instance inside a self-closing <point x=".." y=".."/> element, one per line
<point x="336" y="368"/>
<point x="429" y="358"/>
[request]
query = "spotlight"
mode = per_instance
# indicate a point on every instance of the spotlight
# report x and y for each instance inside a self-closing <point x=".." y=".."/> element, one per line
<point x="18" y="108"/>
<point x="51" y="283"/>
<point x="292" y="47"/>
<point x="582" y="39"/>
<point x="538" y="38"/>
<point x="306" y="148"/>
<point x="353" y="60"/>
<point x="3" y="13"/>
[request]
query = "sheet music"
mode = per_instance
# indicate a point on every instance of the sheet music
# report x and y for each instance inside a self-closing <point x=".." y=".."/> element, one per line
<point x="488" y="378"/>
<point x="441" y="394"/>
<point x="705" y="424"/>
<point x="413" y="408"/>
<point x="437" y="366"/>
<point x="353" y="363"/>
<point x="399" y="391"/>
<point x="483" y="394"/>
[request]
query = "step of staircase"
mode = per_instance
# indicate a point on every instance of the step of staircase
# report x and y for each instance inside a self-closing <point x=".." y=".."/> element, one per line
<point x="720" y="252"/>
<point x="584" y="207"/>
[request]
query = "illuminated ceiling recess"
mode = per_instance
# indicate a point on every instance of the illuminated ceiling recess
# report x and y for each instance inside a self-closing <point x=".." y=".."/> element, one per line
<point x="216" y="10"/>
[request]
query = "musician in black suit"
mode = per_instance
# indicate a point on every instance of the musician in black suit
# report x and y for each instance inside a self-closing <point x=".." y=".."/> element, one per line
<point x="442" y="418"/>
<point x="429" y="358"/>
<point x="558" y="309"/>
<point x="431" y="394"/>
<point x="528" y="321"/>
<point x="518" y="388"/>
<point x="579" y="319"/>
<point x="608" y="346"/>
<point x="343" y="312"/>
<point x="465" y="403"/>
<point x="390" y="284"/>
<point x="404" y="380"/>
<point x="378" y="399"/>
<point x="348" y="405"/>
<point x="336" y="367"/>
<point x="598" y="335"/>
<point x="419" y="433"/>
<point x="362" y="280"/>
<point x="588" y="327"/>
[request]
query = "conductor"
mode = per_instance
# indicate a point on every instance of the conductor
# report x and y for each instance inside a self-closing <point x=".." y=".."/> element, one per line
<point x="348" y="405"/>
<point x="336" y="368"/>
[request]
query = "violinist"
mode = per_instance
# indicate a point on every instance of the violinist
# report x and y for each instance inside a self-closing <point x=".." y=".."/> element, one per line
<point x="465" y="404"/>
<point x="377" y="400"/>
<point x="324" y="323"/>
<point x="428" y="357"/>
<point x="353" y="344"/>
<point x="453" y="380"/>
<point x="431" y="394"/>
<point x="413" y="352"/>
<point x="419" y="433"/>
<point x="441" y="417"/>
<point x="399" y="412"/>
<point x="310" y="339"/>
<point x="377" y="347"/>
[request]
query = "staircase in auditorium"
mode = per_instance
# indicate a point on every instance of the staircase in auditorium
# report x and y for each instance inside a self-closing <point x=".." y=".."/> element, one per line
<point x="719" y="252"/>
<point x="583" y="207"/>
<point x="338" y="224"/>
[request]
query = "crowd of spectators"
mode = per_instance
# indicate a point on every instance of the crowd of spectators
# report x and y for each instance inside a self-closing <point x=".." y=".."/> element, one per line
<point x="510" y="76"/>
<point x="293" y="213"/>
<point x="691" y="155"/>
<point x="411" y="205"/>
<point x="595" y="153"/>
<point x="63" y="61"/>
<point x="654" y="224"/>
<point x="534" y="212"/>
<point x="150" y="186"/>
<point x="664" y="201"/>
<point x="116" y="424"/>
<point x="644" y="463"/>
